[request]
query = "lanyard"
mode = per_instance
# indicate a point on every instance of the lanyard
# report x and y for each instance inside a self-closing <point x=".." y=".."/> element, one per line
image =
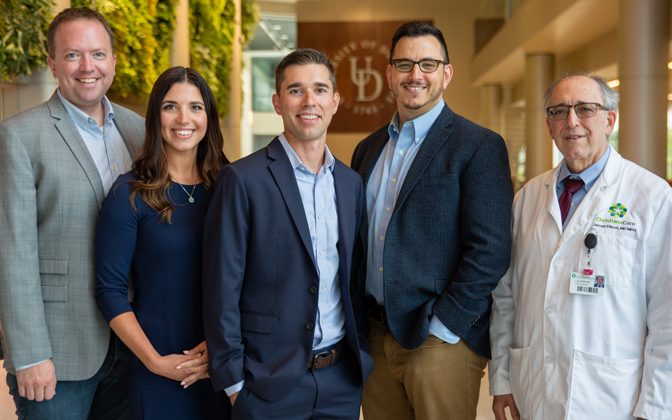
<point x="590" y="241"/>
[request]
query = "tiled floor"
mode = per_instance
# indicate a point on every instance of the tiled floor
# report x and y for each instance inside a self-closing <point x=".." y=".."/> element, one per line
<point x="484" y="410"/>
<point x="6" y="403"/>
<point x="7" y="406"/>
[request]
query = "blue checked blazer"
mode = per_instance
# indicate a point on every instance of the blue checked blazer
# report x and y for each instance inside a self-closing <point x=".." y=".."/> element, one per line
<point x="448" y="242"/>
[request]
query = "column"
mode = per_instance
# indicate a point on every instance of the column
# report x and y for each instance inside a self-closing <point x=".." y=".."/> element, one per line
<point x="538" y="143"/>
<point x="491" y="107"/>
<point x="643" y="29"/>
<point x="179" y="51"/>
<point x="231" y="126"/>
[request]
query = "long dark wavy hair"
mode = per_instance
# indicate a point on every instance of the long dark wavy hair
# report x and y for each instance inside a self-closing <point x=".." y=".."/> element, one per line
<point x="151" y="168"/>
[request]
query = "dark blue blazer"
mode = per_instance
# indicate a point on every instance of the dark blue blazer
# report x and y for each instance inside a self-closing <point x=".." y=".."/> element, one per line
<point x="260" y="274"/>
<point x="448" y="242"/>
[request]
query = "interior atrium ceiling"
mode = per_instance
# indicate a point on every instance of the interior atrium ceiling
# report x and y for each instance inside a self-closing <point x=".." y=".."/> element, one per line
<point x="274" y="32"/>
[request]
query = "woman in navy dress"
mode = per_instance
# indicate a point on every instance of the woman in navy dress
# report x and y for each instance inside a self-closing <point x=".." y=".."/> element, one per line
<point x="148" y="240"/>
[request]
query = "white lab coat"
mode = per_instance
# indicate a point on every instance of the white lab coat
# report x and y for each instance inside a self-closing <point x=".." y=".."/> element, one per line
<point x="567" y="356"/>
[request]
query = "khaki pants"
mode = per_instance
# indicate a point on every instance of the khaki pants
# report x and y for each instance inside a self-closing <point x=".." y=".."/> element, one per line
<point x="436" y="381"/>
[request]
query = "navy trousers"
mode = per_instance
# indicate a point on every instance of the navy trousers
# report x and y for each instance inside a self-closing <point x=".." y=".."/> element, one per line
<point x="330" y="393"/>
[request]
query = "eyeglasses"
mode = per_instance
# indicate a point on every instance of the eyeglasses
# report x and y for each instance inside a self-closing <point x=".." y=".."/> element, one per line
<point x="582" y="110"/>
<point x="426" y="65"/>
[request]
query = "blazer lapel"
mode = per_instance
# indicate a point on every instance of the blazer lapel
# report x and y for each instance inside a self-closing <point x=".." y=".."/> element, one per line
<point x="68" y="131"/>
<point x="594" y="201"/>
<point x="371" y="157"/>
<point x="552" y="205"/>
<point x="437" y="137"/>
<point x="345" y="208"/>
<point x="284" y="177"/>
<point x="122" y="123"/>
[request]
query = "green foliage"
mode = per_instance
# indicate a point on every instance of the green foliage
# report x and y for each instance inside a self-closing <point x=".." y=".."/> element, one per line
<point x="211" y="30"/>
<point x="23" y="36"/>
<point x="250" y="18"/>
<point x="164" y="26"/>
<point x="143" y="31"/>
<point x="142" y="41"/>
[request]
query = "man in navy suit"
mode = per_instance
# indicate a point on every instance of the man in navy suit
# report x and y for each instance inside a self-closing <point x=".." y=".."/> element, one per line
<point x="279" y="240"/>
<point x="438" y="192"/>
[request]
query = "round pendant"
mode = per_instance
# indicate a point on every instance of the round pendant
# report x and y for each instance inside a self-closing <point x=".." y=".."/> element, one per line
<point x="191" y="200"/>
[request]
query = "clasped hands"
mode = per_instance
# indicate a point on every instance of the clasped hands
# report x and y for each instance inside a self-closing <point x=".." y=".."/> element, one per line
<point x="186" y="368"/>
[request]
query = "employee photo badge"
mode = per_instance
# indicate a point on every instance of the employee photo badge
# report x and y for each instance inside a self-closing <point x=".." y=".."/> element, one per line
<point x="586" y="284"/>
<point x="600" y="280"/>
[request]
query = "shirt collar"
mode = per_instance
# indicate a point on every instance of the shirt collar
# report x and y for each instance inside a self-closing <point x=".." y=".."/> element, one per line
<point x="589" y="175"/>
<point x="81" y="118"/>
<point x="295" y="161"/>
<point x="420" y="125"/>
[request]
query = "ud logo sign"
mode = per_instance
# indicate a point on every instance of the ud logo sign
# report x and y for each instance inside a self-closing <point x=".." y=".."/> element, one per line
<point x="360" y="53"/>
<point x="364" y="61"/>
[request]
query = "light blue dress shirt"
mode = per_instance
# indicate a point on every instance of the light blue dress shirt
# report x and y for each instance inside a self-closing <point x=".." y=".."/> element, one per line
<point x="319" y="203"/>
<point x="107" y="148"/>
<point x="382" y="190"/>
<point x="588" y="176"/>
<point x="318" y="196"/>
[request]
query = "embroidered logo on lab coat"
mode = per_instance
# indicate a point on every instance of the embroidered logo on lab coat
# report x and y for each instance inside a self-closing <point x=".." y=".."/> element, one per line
<point x="618" y="210"/>
<point x="615" y="219"/>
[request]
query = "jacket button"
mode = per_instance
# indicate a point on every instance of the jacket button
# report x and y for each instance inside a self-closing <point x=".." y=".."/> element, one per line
<point x="313" y="289"/>
<point x="310" y="325"/>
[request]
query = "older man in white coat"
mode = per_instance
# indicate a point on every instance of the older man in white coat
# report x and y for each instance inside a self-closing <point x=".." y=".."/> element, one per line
<point x="582" y="321"/>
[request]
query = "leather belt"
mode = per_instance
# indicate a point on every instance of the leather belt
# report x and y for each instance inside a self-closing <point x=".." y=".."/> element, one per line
<point x="377" y="312"/>
<point x="327" y="357"/>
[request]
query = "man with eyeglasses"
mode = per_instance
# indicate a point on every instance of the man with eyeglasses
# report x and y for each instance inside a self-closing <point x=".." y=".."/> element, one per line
<point x="581" y="324"/>
<point x="438" y="193"/>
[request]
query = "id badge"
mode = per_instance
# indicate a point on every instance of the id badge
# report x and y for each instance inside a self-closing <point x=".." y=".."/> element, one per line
<point x="587" y="285"/>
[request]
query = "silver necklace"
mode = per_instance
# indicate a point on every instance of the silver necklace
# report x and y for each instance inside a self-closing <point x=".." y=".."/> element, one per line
<point x="191" y="195"/>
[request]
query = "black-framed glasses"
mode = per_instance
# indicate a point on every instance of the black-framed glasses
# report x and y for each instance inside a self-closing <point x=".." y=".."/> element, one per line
<point x="582" y="110"/>
<point x="426" y="65"/>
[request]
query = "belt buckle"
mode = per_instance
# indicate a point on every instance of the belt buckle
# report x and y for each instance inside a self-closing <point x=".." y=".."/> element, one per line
<point x="322" y="359"/>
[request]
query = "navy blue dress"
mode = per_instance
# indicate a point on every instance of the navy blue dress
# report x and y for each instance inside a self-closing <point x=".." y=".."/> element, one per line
<point x="164" y="262"/>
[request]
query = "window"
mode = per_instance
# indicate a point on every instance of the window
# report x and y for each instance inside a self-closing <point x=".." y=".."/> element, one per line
<point x="263" y="83"/>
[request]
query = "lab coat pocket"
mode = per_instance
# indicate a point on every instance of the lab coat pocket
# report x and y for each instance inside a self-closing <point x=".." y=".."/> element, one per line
<point x="617" y="259"/>
<point x="520" y="375"/>
<point x="603" y="387"/>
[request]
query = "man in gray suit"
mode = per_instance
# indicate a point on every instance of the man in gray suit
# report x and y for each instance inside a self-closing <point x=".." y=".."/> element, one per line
<point x="57" y="162"/>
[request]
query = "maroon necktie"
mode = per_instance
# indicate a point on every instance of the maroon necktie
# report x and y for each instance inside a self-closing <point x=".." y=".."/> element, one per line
<point x="571" y="186"/>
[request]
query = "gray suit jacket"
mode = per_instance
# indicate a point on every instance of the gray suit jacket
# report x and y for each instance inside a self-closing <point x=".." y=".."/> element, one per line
<point x="50" y="196"/>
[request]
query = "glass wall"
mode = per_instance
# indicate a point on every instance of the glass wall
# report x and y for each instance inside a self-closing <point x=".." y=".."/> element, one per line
<point x="263" y="82"/>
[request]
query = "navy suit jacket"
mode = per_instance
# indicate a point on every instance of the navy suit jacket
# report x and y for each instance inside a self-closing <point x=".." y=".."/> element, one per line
<point x="448" y="242"/>
<point x="260" y="275"/>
